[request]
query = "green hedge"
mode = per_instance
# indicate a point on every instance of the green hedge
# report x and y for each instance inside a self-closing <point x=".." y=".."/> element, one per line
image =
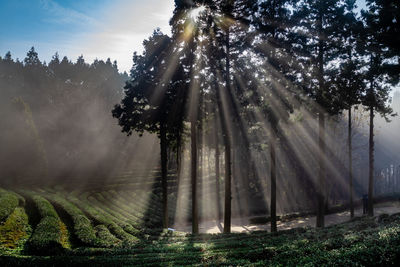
<point x="82" y="226"/>
<point x="8" y="202"/>
<point x="102" y="217"/>
<point x="106" y="238"/>
<point x="46" y="238"/>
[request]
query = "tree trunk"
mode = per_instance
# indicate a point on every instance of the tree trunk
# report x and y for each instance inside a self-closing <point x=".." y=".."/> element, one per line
<point x="371" y="163"/>
<point x="351" y="190"/>
<point x="273" y="185"/>
<point x="164" y="162"/>
<point x="217" y="172"/>
<point x="321" y="119"/>
<point x="194" y="163"/>
<point x="228" y="198"/>
<point x="228" y="170"/>
<point x="321" y="178"/>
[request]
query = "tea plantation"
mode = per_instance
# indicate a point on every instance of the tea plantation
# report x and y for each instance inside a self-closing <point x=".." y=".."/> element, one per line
<point x="115" y="227"/>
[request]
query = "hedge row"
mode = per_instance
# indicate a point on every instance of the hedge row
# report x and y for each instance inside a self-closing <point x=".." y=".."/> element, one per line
<point x="82" y="226"/>
<point x="15" y="231"/>
<point x="8" y="202"/>
<point x="103" y="218"/>
<point x="47" y="237"/>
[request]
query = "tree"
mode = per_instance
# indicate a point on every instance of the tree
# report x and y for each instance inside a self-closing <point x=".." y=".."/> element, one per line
<point x="228" y="40"/>
<point x="349" y="78"/>
<point x="377" y="94"/>
<point x="32" y="58"/>
<point x="384" y="18"/>
<point x="273" y="25"/>
<point x="151" y="98"/>
<point x="317" y="45"/>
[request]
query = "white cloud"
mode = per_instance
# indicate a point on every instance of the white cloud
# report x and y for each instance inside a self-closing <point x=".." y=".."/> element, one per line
<point x="63" y="15"/>
<point x="123" y="29"/>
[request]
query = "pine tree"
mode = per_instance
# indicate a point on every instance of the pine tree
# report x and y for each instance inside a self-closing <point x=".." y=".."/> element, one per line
<point x="318" y="44"/>
<point x="151" y="95"/>
<point x="349" y="79"/>
<point x="377" y="88"/>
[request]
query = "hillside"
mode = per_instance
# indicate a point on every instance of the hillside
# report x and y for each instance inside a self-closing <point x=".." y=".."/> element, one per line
<point x="48" y="227"/>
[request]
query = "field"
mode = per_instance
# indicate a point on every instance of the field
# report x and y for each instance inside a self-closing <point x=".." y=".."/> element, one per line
<point x="59" y="227"/>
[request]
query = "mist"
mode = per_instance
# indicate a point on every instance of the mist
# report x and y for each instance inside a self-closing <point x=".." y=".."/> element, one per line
<point x="57" y="125"/>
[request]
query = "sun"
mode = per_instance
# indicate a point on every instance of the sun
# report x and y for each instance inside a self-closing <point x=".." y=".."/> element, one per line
<point x="195" y="12"/>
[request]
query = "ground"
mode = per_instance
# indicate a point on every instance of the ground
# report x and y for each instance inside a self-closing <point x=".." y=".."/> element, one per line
<point x="242" y="225"/>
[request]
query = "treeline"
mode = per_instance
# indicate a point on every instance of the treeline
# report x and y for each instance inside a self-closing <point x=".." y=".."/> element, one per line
<point x="260" y="80"/>
<point x="56" y="122"/>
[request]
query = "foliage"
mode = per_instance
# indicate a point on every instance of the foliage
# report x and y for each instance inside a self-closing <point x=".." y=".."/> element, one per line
<point x="101" y="217"/>
<point x="384" y="19"/>
<point x="107" y="239"/>
<point x="361" y="242"/>
<point x="47" y="237"/>
<point x="82" y="225"/>
<point x="153" y="95"/>
<point x="14" y="232"/>
<point x="8" y="202"/>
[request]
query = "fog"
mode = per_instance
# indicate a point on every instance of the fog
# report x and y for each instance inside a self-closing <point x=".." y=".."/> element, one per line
<point x="57" y="125"/>
<point x="57" y="129"/>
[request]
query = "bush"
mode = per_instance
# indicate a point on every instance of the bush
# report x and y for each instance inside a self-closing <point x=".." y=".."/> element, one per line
<point x="15" y="230"/>
<point x="8" y="202"/>
<point x="102" y="218"/>
<point x="105" y="238"/>
<point x="47" y="237"/>
<point x="82" y="225"/>
<point x="44" y="207"/>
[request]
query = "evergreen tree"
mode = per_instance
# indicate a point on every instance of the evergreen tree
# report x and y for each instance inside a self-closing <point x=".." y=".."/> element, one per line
<point x="377" y="88"/>
<point x="317" y="44"/>
<point x="151" y="101"/>
<point x="273" y="25"/>
<point x="348" y="77"/>
<point x="32" y="58"/>
<point x="383" y="18"/>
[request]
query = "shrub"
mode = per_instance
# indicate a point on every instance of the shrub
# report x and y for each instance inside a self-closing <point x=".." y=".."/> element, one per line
<point x="8" y="202"/>
<point x="105" y="238"/>
<point x="15" y="230"/>
<point x="82" y="225"/>
<point x="47" y="237"/>
<point x="103" y="218"/>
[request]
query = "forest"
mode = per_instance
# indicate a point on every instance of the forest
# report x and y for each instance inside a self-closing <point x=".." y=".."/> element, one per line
<point x="254" y="133"/>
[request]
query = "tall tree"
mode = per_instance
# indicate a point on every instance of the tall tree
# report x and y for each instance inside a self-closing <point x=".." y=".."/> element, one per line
<point x="151" y="98"/>
<point x="317" y="43"/>
<point x="377" y="94"/>
<point x="384" y="18"/>
<point x="348" y="79"/>
<point x="273" y="26"/>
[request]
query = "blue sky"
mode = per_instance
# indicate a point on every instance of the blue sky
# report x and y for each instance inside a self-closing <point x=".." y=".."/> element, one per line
<point x="94" y="28"/>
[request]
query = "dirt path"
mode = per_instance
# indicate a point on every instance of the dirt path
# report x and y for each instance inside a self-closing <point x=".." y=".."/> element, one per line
<point x="242" y="224"/>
